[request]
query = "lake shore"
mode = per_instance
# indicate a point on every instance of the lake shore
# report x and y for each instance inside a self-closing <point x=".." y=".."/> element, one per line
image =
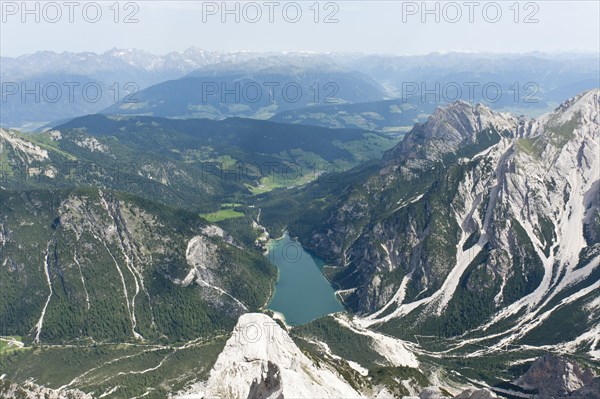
<point x="301" y="293"/>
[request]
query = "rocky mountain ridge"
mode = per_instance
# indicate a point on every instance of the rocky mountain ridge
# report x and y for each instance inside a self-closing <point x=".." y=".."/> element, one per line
<point x="479" y="228"/>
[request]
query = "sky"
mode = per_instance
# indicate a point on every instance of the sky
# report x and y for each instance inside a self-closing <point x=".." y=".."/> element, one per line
<point x="390" y="27"/>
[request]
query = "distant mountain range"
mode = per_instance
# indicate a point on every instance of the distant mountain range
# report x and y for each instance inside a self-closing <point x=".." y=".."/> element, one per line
<point x="259" y="94"/>
<point x="194" y="83"/>
<point x="114" y="71"/>
<point x="116" y="64"/>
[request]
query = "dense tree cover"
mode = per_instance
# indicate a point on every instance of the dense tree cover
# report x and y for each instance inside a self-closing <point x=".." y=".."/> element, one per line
<point x="110" y="240"/>
<point x="341" y="340"/>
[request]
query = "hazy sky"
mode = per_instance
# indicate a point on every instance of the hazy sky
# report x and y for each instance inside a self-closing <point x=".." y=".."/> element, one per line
<point x="401" y="27"/>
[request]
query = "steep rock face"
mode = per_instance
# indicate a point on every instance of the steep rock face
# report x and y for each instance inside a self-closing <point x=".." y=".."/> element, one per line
<point x="431" y="393"/>
<point x="261" y="360"/>
<point x="591" y="391"/>
<point x="269" y="386"/>
<point x="476" y="214"/>
<point x="553" y="376"/>
<point x="416" y="161"/>
<point x="446" y="131"/>
<point x="473" y="393"/>
<point x="417" y="233"/>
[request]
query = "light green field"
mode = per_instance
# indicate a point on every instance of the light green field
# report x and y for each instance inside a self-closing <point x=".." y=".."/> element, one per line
<point x="230" y="205"/>
<point x="260" y="189"/>
<point x="222" y="214"/>
<point x="269" y="183"/>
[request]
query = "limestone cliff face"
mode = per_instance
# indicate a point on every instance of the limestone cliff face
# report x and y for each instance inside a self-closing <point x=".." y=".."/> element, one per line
<point x="474" y="206"/>
<point x="446" y="131"/>
<point x="553" y="376"/>
<point x="261" y="360"/>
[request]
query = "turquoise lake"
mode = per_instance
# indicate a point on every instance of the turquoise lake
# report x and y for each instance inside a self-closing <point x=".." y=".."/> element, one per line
<point x="302" y="293"/>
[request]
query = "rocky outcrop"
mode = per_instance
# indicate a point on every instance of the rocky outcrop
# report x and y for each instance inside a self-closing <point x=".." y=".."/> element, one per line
<point x="260" y="360"/>
<point x="591" y="391"/>
<point x="431" y="393"/>
<point x="268" y="386"/>
<point x="29" y="390"/>
<point x="554" y="376"/>
<point x="473" y="393"/>
<point x="505" y="222"/>
<point x="446" y="131"/>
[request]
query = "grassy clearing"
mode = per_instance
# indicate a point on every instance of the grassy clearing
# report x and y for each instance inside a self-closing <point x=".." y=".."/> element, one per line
<point x="222" y="214"/>
<point x="270" y="183"/>
<point x="9" y="344"/>
<point x="230" y="205"/>
<point x="43" y="140"/>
